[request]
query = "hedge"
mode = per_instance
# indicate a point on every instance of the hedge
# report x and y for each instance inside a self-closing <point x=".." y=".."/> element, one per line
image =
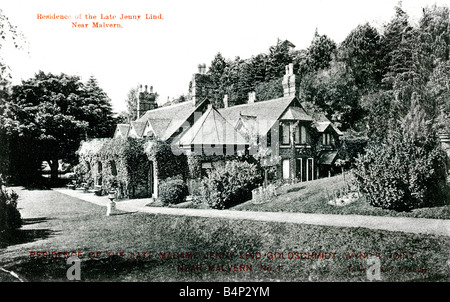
<point x="173" y="191"/>
<point x="229" y="185"/>
<point x="401" y="174"/>
<point x="10" y="218"/>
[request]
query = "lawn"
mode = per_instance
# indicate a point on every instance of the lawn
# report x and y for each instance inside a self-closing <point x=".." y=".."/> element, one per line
<point x="313" y="196"/>
<point x="234" y="250"/>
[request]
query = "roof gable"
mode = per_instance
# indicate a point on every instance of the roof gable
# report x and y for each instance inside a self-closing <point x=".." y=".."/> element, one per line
<point x="266" y="112"/>
<point x="122" y="130"/>
<point x="296" y="113"/>
<point x="166" y="121"/>
<point x="137" y="129"/>
<point x="211" y="129"/>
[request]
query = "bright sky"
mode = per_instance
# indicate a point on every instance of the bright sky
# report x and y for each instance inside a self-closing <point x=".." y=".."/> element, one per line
<point x="165" y="53"/>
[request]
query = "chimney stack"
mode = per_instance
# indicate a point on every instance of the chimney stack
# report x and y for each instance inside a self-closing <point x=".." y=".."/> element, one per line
<point x="146" y="100"/>
<point x="200" y="84"/>
<point x="289" y="85"/>
<point x="251" y="97"/>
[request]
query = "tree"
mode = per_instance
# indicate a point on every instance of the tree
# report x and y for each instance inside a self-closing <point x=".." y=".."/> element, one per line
<point x="10" y="35"/>
<point x="132" y="100"/>
<point x="362" y="53"/>
<point x="50" y="114"/>
<point x="334" y="91"/>
<point x="321" y="52"/>
<point x="276" y="60"/>
<point x="405" y="170"/>
<point x="97" y="110"/>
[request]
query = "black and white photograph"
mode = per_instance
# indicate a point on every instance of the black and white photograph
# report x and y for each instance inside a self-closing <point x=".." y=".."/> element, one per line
<point x="217" y="149"/>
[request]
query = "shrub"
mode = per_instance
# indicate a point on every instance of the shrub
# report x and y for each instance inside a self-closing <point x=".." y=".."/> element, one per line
<point x="402" y="174"/>
<point x="229" y="185"/>
<point x="9" y="215"/>
<point x="173" y="191"/>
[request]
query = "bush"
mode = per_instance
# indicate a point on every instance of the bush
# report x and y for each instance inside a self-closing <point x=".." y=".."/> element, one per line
<point x="402" y="174"/>
<point x="173" y="191"/>
<point x="9" y="215"/>
<point x="229" y="185"/>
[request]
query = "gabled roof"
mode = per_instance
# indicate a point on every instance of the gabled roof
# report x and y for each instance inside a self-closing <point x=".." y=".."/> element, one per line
<point x="322" y="126"/>
<point x="246" y="124"/>
<point x="296" y="113"/>
<point x="211" y="129"/>
<point x="159" y="126"/>
<point x="137" y="128"/>
<point x="122" y="130"/>
<point x="266" y="112"/>
<point x="167" y="120"/>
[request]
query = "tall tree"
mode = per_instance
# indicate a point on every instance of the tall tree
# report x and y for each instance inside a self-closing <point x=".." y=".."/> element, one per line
<point x="50" y="114"/>
<point x="97" y="110"/>
<point x="334" y="91"/>
<point x="362" y="52"/>
<point x="320" y="53"/>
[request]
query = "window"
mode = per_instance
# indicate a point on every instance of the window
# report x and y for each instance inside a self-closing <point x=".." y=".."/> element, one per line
<point x="327" y="139"/>
<point x="285" y="133"/>
<point x="303" y="135"/>
<point x="297" y="135"/>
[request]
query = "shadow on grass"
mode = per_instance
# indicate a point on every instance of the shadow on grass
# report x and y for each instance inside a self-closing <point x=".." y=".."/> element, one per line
<point x="24" y="236"/>
<point x="111" y="268"/>
<point x="123" y="213"/>
<point x="28" y="221"/>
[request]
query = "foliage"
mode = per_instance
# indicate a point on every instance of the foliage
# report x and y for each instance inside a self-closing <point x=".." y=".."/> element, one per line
<point x="10" y="35"/>
<point x="132" y="101"/>
<point x="50" y="114"/>
<point x="268" y="90"/>
<point x="97" y="110"/>
<point x="83" y="174"/>
<point x="362" y="52"/>
<point x="228" y="185"/>
<point x="173" y="191"/>
<point x="405" y="170"/>
<point x="166" y="162"/>
<point x="352" y="145"/>
<point x="320" y="53"/>
<point x="334" y="91"/>
<point x="402" y="174"/>
<point x="9" y="215"/>
<point x="124" y="165"/>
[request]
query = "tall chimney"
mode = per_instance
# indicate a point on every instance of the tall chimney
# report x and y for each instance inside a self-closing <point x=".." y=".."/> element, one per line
<point x="289" y="85"/>
<point x="200" y="84"/>
<point x="251" y="97"/>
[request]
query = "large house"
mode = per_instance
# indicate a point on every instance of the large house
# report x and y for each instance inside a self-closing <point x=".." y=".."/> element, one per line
<point x="288" y="141"/>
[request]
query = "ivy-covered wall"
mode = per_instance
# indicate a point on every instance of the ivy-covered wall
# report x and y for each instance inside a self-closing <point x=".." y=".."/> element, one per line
<point x="115" y="163"/>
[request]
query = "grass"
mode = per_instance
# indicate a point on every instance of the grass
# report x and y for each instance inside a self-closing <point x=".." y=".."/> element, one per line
<point x="55" y="222"/>
<point x="313" y="196"/>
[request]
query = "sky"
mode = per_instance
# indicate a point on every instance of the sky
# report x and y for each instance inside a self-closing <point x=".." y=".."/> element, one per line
<point x="164" y="53"/>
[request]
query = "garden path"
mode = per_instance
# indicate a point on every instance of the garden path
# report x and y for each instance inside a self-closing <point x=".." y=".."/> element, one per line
<point x="401" y="224"/>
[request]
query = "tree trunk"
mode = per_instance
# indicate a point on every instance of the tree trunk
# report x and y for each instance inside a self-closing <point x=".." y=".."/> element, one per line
<point x="53" y="170"/>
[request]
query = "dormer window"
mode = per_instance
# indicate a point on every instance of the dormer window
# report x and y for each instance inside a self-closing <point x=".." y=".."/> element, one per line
<point x="327" y="139"/>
